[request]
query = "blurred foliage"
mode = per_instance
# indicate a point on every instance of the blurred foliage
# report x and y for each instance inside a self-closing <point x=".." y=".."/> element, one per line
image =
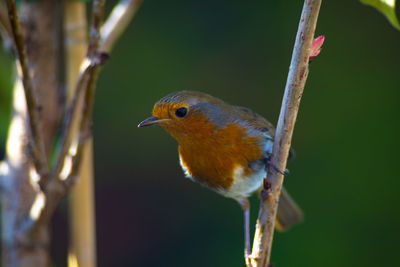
<point x="387" y="7"/>
<point x="345" y="173"/>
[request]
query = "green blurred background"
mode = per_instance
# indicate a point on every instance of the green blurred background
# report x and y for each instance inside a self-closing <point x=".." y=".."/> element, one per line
<point x="345" y="175"/>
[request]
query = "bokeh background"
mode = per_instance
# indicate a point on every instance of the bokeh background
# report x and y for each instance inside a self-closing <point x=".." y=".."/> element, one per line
<point x="345" y="176"/>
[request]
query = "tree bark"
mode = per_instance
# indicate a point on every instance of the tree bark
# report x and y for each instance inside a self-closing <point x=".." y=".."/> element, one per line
<point x="40" y="31"/>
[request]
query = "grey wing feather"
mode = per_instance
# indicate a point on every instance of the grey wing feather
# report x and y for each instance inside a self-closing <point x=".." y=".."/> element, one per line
<point x="255" y="121"/>
<point x="260" y="124"/>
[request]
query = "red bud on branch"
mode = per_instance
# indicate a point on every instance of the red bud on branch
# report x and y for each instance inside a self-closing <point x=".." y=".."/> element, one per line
<point x="316" y="47"/>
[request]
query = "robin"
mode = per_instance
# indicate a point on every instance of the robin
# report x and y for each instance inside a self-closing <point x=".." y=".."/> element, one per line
<point x="223" y="147"/>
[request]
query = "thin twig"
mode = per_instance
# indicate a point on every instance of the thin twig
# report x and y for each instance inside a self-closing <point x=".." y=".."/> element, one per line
<point x="117" y="22"/>
<point x="85" y="131"/>
<point x="297" y="76"/>
<point x="67" y="132"/>
<point x="36" y="141"/>
<point x="95" y="25"/>
<point x="88" y="69"/>
<point x="97" y="58"/>
<point x="84" y="88"/>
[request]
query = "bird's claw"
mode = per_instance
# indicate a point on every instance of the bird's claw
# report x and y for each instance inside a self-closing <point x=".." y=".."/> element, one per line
<point x="274" y="167"/>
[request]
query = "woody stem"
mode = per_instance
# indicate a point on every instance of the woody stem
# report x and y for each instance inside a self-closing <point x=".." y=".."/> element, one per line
<point x="297" y="77"/>
<point x="36" y="143"/>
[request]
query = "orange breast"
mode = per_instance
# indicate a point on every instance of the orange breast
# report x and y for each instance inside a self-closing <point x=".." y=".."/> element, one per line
<point x="211" y="155"/>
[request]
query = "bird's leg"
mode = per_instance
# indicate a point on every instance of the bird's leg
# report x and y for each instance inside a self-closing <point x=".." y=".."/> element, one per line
<point x="244" y="203"/>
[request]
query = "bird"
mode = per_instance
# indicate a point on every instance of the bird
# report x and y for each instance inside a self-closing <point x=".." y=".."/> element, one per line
<point x="223" y="147"/>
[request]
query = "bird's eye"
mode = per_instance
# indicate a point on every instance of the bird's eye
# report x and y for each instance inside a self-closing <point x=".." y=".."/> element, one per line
<point x="181" y="112"/>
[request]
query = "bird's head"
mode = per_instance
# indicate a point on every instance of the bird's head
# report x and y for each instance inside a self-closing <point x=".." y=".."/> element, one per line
<point x="186" y="114"/>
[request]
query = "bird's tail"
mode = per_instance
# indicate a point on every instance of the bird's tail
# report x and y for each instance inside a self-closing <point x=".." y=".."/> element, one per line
<point x="289" y="213"/>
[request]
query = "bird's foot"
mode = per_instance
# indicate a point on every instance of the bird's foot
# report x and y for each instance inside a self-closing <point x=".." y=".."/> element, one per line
<point x="269" y="164"/>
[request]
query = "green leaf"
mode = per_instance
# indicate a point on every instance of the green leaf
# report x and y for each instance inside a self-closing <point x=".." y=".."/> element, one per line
<point x="387" y="7"/>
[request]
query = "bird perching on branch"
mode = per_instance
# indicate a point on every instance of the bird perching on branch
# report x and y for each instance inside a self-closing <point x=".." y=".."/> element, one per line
<point x="223" y="147"/>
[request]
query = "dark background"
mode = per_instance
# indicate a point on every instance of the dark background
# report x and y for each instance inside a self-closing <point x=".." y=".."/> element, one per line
<point x="345" y="175"/>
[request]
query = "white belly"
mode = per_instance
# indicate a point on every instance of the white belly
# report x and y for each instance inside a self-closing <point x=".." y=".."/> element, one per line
<point x="243" y="186"/>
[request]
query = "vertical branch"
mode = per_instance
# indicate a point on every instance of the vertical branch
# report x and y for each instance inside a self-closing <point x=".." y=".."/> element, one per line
<point x="78" y="126"/>
<point x="36" y="142"/>
<point x="96" y="42"/>
<point x="92" y="55"/>
<point x="112" y="29"/>
<point x="82" y="160"/>
<point x="96" y="22"/>
<point x="82" y="217"/>
<point x="82" y="246"/>
<point x="297" y="76"/>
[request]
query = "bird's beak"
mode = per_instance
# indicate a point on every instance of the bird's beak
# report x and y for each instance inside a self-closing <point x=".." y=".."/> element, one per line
<point x="150" y="121"/>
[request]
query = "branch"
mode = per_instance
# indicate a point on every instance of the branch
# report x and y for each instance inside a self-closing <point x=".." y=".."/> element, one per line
<point x="111" y="30"/>
<point x="85" y="85"/>
<point x="36" y="141"/>
<point x="5" y="28"/>
<point x="56" y="188"/>
<point x="85" y="130"/>
<point x="297" y="76"/>
<point x="93" y="50"/>
<point x="88" y="69"/>
<point x="117" y="22"/>
<point x="96" y="21"/>
<point x="68" y="130"/>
